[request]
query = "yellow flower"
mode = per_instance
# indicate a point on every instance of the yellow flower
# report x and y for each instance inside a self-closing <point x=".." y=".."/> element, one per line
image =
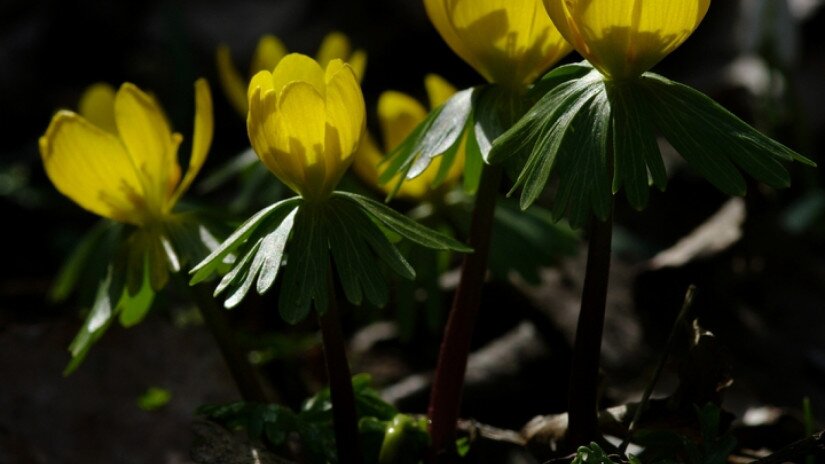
<point x="305" y="123"/>
<point x="398" y="115"/>
<point x="269" y="52"/>
<point x="625" y="38"/>
<point x="120" y="161"/>
<point x="509" y="42"/>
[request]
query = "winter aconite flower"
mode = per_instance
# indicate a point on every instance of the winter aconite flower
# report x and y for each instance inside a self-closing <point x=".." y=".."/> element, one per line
<point x="269" y="52"/>
<point x="118" y="158"/>
<point x="625" y="38"/>
<point x="509" y="42"/>
<point x="305" y="122"/>
<point x="121" y="160"/>
<point x="398" y="115"/>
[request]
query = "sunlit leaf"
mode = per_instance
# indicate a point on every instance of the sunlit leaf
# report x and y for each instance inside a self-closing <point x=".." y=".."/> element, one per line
<point x="133" y="308"/>
<point x="98" y="320"/>
<point x="440" y="132"/>
<point x="271" y="214"/>
<point x="403" y="225"/>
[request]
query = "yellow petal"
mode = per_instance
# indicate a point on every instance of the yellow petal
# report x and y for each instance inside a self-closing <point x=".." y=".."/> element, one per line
<point x="91" y="166"/>
<point x="345" y="109"/>
<point x="398" y="114"/>
<point x="201" y="138"/>
<point x="270" y="140"/>
<point x="334" y="46"/>
<point x="263" y="81"/>
<point x="358" y="63"/>
<point x="304" y="120"/>
<point x="509" y="42"/>
<point x="366" y="160"/>
<point x="438" y="89"/>
<point x="97" y="105"/>
<point x="439" y="14"/>
<point x="298" y="68"/>
<point x="268" y="53"/>
<point x="624" y="38"/>
<point x="149" y="141"/>
<point x="234" y="86"/>
<point x="366" y="165"/>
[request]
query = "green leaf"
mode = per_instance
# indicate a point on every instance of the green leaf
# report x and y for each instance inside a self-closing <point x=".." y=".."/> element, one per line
<point x="551" y="113"/>
<point x="637" y="152"/>
<point x="368" y="401"/>
<point x="271" y="253"/>
<point x="99" y="319"/>
<point x="445" y="130"/>
<point x="193" y="235"/>
<point x="354" y="262"/>
<point x="354" y="219"/>
<point x="262" y="258"/>
<point x="566" y="133"/>
<point x="237" y="274"/>
<point x="526" y="241"/>
<point x="473" y="165"/>
<point x="593" y="454"/>
<point x="133" y="308"/>
<point x="405" y="441"/>
<point x="75" y="266"/>
<point x="712" y="139"/>
<point x="221" y="255"/>
<point x="154" y="398"/>
<point x="306" y="273"/>
<point x="583" y="165"/>
<point x="448" y="158"/>
<point x="437" y="134"/>
<point x="558" y="76"/>
<point x="495" y="109"/>
<point x="539" y="135"/>
<point x="403" y="225"/>
<point x="462" y="446"/>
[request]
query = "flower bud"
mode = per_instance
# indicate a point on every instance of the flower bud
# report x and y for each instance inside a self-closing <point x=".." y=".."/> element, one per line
<point x="305" y="123"/>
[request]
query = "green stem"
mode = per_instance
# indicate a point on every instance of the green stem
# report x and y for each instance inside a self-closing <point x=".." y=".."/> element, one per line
<point x="448" y="384"/>
<point x="344" y="416"/>
<point x="243" y="372"/>
<point x="669" y="347"/>
<point x="584" y="376"/>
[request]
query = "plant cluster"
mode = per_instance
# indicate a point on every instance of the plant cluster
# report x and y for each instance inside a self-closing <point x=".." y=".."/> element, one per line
<point x="590" y="129"/>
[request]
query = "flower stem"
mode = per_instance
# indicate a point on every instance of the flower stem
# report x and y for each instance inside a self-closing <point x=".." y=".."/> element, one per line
<point x="584" y="376"/>
<point x="243" y="372"/>
<point x="344" y="415"/>
<point x="455" y="346"/>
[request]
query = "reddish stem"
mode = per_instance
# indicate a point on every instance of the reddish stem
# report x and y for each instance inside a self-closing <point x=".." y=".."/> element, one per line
<point x="448" y="384"/>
